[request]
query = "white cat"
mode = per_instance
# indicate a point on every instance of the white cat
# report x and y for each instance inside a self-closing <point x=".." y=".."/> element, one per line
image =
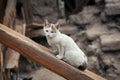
<point x="67" y="48"/>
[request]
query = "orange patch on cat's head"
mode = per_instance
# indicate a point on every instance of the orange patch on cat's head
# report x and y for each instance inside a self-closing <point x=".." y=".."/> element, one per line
<point x="53" y="29"/>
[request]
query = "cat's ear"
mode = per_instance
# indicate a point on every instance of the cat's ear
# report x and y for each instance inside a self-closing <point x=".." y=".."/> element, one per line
<point x="46" y="22"/>
<point x="57" y="25"/>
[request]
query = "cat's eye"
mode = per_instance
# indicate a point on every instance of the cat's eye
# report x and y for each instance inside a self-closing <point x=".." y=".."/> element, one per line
<point x="52" y="32"/>
<point x="46" y="30"/>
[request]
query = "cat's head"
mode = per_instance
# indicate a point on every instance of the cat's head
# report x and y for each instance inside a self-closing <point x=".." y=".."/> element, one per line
<point x="50" y="29"/>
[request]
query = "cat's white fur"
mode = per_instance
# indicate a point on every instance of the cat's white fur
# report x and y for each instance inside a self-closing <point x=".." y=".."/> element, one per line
<point x="67" y="48"/>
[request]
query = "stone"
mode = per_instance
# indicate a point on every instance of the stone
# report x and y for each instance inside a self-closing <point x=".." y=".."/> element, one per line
<point x="110" y="42"/>
<point x="103" y="17"/>
<point x="87" y="16"/>
<point x="112" y="7"/>
<point x="94" y="47"/>
<point x="82" y="19"/>
<point x="112" y="1"/>
<point x="93" y="63"/>
<point x="68" y="29"/>
<point x="52" y="17"/>
<point x="113" y="27"/>
<point x="90" y="10"/>
<point x="96" y="30"/>
<point x="62" y="21"/>
<point x="116" y="64"/>
<point x="112" y="10"/>
<point x="108" y="59"/>
<point x="45" y="74"/>
<point x="43" y="11"/>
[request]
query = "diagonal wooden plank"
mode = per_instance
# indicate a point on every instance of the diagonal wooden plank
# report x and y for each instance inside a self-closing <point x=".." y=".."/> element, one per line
<point x="42" y="55"/>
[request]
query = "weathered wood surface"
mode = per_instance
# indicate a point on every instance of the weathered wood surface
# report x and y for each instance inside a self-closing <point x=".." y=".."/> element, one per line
<point x="11" y="56"/>
<point x="10" y="13"/>
<point x="27" y="8"/>
<point x="41" y="55"/>
<point x="11" y="21"/>
<point x="35" y="25"/>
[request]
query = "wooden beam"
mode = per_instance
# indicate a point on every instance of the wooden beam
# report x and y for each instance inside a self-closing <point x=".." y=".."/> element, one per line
<point x="42" y="55"/>
<point x="10" y="13"/>
<point x="35" y="25"/>
<point x="27" y="9"/>
<point x="34" y="33"/>
<point x="10" y="55"/>
<point x="66" y="29"/>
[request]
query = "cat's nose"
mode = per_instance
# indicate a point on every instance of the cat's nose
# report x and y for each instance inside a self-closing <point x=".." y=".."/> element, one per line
<point x="49" y="36"/>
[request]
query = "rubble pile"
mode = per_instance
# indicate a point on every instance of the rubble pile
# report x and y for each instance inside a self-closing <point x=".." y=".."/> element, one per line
<point x="101" y="40"/>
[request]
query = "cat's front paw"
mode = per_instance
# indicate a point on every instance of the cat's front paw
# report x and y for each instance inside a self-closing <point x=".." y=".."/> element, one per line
<point x="59" y="56"/>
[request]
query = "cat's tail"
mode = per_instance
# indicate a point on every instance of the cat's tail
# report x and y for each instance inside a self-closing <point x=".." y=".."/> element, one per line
<point x="83" y="67"/>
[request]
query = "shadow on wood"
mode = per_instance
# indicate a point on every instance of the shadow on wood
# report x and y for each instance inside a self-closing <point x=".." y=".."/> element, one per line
<point x="42" y="55"/>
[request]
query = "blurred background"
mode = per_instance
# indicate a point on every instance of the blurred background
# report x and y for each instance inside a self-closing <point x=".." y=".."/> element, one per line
<point x="93" y="24"/>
